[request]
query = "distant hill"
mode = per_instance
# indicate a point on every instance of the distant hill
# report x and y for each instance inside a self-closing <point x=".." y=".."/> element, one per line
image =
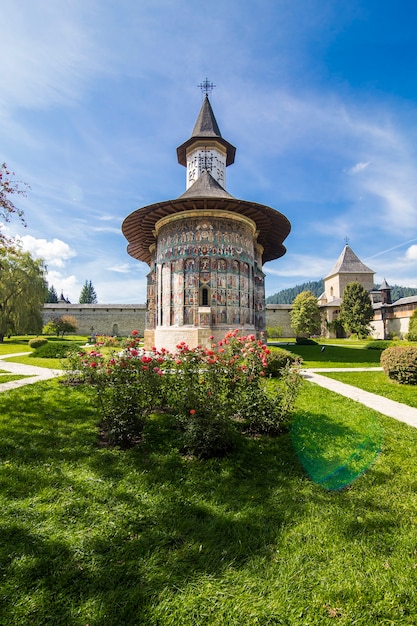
<point x="286" y="296"/>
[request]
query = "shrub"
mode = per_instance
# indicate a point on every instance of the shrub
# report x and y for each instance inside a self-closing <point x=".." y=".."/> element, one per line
<point x="378" y="344"/>
<point x="412" y="327"/>
<point x="37" y="342"/>
<point x="204" y="388"/>
<point x="54" y="350"/>
<point x="277" y="359"/>
<point x="400" y="363"/>
<point x="273" y="331"/>
<point x="305" y="341"/>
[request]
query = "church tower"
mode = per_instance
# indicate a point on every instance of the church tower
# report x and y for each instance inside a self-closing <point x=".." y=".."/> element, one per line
<point x="205" y="249"/>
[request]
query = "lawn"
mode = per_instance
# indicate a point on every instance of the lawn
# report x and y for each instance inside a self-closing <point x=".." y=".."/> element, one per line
<point x="92" y="535"/>
<point x="379" y="383"/>
<point x="344" y="355"/>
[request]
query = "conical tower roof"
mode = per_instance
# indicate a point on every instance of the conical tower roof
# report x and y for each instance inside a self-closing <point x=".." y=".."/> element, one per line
<point x="349" y="263"/>
<point x="206" y="127"/>
<point x="206" y="187"/>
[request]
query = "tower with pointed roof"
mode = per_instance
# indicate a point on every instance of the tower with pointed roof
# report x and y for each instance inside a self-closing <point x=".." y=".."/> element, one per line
<point x="347" y="269"/>
<point x="205" y="249"/>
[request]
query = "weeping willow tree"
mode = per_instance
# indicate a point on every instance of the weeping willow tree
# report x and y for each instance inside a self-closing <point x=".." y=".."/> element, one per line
<point x="22" y="292"/>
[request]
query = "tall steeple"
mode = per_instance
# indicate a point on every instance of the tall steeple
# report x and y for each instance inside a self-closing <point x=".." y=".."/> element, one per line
<point x="206" y="150"/>
<point x="205" y="249"/>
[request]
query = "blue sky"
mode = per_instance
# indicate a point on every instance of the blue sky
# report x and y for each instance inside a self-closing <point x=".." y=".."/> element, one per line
<point x="318" y="96"/>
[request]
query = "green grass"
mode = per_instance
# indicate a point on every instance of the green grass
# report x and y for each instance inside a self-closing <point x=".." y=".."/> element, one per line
<point x="101" y="536"/>
<point x="37" y="362"/>
<point x="7" y="378"/>
<point x="344" y="355"/>
<point x="379" y="383"/>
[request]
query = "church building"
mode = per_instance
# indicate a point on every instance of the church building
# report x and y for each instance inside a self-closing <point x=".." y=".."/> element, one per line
<point x="205" y="249"/>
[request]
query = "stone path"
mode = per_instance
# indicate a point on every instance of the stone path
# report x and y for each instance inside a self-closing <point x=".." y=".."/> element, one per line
<point x="398" y="411"/>
<point x="34" y="374"/>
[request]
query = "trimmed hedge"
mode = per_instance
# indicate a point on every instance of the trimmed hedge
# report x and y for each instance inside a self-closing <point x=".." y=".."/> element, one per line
<point x="37" y="342"/>
<point x="278" y="359"/>
<point x="54" y="350"/>
<point x="400" y="363"/>
<point x="378" y="344"/>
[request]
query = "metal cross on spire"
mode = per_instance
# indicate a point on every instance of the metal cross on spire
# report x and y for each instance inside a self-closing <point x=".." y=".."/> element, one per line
<point x="206" y="86"/>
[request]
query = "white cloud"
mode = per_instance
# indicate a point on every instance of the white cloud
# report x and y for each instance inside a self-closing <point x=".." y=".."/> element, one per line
<point x="411" y="253"/>
<point x="54" y="252"/>
<point x="358" y="167"/>
<point x="299" y="265"/>
<point x="122" y="268"/>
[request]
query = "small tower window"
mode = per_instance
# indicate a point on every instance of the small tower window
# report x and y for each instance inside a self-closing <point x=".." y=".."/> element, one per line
<point x="204" y="297"/>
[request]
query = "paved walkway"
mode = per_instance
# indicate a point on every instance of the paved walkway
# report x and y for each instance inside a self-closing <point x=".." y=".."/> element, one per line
<point x="34" y="374"/>
<point x="398" y="411"/>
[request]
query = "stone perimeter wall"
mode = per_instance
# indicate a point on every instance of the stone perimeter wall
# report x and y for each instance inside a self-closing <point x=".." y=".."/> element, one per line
<point x="106" y="318"/>
<point x="121" y="319"/>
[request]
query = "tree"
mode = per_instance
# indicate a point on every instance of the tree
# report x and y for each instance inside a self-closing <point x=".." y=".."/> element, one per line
<point x="51" y="295"/>
<point x="305" y="314"/>
<point x="22" y="292"/>
<point x="356" y="312"/>
<point x="412" y="327"/>
<point x="88" y="294"/>
<point x="9" y="187"/>
<point x="61" y="325"/>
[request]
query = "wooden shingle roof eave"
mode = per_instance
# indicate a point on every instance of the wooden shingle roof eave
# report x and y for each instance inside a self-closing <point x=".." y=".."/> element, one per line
<point x="139" y="226"/>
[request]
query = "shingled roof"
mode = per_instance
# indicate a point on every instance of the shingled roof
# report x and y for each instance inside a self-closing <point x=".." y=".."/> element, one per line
<point x="206" y="127"/>
<point x="206" y="187"/>
<point x="349" y="263"/>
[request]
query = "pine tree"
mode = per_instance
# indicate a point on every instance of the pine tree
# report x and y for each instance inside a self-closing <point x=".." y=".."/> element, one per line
<point x="88" y="294"/>
<point x="356" y="312"/>
<point x="51" y="295"/>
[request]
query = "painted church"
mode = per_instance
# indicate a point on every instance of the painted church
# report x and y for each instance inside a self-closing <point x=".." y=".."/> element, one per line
<point x="205" y="250"/>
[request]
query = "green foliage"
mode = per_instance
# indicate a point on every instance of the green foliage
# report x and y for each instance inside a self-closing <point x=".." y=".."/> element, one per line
<point x="305" y="341"/>
<point x="60" y="325"/>
<point x="22" y="292"/>
<point x="51" y="295"/>
<point x="305" y="314"/>
<point x="54" y="350"/>
<point x="378" y="344"/>
<point x="400" y="363"/>
<point x="88" y="294"/>
<point x="273" y="331"/>
<point x="356" y="312"/>
<point x="287" y="296"/>
<point x="37" y="342"/>
<point x="204" y="388"/>
<point x="412" y="327"/>
<point x="277" y="359"/>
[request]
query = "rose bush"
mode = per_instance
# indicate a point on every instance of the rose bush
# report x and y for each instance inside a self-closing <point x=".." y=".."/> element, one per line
<point x="215" y="393"/>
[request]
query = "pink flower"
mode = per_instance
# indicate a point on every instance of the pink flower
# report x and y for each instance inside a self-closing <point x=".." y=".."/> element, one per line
<point x="193" y="412"/>
<point x="135" y="332"/>
<point x="134" y="352"/>
<point x="93" y="364"/>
